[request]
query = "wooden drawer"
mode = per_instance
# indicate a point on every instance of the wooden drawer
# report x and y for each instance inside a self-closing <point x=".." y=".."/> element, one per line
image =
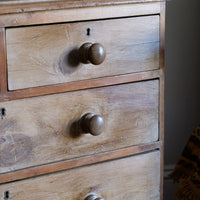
<point x="43" y="129"/>
<point x="47" y="54"/>
<point x="138" y="177"/>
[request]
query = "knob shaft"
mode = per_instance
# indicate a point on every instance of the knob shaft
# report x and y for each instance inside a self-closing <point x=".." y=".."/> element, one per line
<point x="93" y="124"/>
<point x="92" y="53"/>
<point x="93" y="197"/>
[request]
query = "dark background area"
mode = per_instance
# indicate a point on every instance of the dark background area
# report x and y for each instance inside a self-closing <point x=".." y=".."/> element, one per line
<point x="182" y="83"/>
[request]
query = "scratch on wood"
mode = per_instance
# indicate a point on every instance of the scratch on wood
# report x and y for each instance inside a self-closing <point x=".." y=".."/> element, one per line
<point x="14" y="148"/>
<point x="67" y="28"/>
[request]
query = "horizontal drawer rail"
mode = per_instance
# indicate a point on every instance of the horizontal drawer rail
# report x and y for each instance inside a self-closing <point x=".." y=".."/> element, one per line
<point x="77" y="162"/>
<point x="80" y="85"/>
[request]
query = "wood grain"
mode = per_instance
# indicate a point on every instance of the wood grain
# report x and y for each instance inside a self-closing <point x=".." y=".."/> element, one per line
<point x="36" y="133"/>
<point x="46" y="55"/>
<point x="21" y="6"/>
<point x="44" y="129"/>
<point x="75" y="2"/>
<point x="135" y="177"/>
<point x="77" y="162"/>
<point x="79" y="14"/>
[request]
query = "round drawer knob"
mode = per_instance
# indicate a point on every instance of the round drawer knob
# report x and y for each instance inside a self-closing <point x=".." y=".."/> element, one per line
<point x="93" y="197"/>
<point x="91" y="123"/>
<point x="92" y="53"/>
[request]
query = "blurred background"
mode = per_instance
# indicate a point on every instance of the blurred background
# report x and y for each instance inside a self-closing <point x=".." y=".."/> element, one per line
<point x="182" y="83"/>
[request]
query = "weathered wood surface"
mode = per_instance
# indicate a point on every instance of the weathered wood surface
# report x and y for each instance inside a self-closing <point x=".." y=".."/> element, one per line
<point x="48" y="139"/>
<point x="136" y="177"/>
<point x="45" y="55"/>
<point x="20" y="6"/>
<point x="78" y="14"/>
<point x="44" y="129"/>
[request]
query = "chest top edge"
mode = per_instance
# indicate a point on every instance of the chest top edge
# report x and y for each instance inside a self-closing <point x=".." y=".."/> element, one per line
<point x="23" y="6"/>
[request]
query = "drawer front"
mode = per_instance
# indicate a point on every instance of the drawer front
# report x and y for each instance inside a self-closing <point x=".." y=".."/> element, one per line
<point x="46" y="55"/>
<point x="131" y="178"/>
<point x="46" y="129"/>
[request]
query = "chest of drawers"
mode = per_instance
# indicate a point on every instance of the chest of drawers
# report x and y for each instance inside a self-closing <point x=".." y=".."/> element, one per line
<point x="81" y="99"/>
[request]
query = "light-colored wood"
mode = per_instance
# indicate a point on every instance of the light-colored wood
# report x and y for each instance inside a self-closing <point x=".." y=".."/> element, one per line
<point x="129" y="178"/>
<point x="34" y="133"/>
<point x="41" y="55"/>
<point x="77" y="162"/>
<point x="79" y="85"/>
<point x="34" y="5"/>
<point x="76" y="3"/>
<point x="44" y="129"/>
<point x="78" y="14"/>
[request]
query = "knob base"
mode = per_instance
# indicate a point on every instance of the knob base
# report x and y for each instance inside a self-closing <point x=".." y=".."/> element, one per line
<point x="84" y="53"/>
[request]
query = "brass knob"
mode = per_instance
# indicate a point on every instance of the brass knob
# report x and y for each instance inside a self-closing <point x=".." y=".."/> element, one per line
<point x="91" y="123"/>
<point x="92" y="53"/>
<point x="93" y="197"/>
